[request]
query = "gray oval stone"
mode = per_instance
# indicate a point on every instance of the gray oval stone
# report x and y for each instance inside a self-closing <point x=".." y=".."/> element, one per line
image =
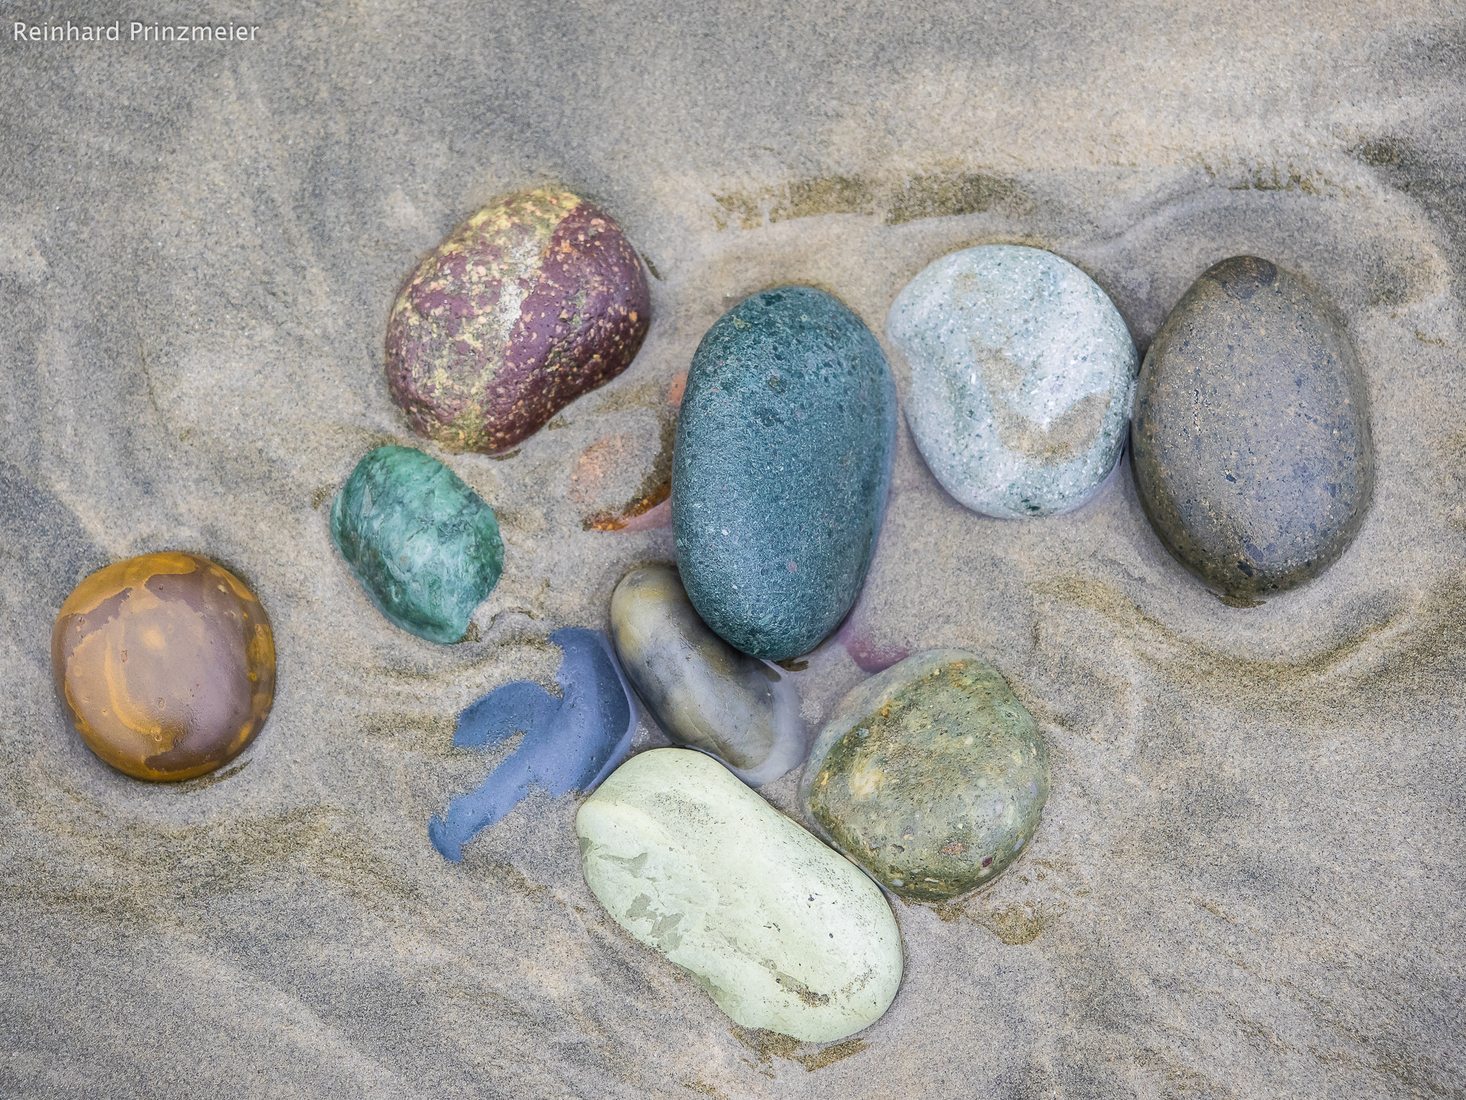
<point x="783" y="933"/>
<point x="1022" y="373"/>
<point x="1252" y="446"/>
<point x="702" y="692"/>
<point x="931" y="775"/>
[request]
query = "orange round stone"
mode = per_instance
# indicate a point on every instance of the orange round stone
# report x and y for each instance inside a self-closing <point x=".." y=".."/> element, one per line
<point x="166" y="663"/>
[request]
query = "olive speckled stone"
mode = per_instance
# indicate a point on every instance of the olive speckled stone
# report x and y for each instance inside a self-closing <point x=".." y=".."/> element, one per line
<point x="423" y="544"/>
<point x="1022" y="374"/>
<point x="781" y="469"/>
<point x="1251" y="440"/>
<point x="704" y="693"/>
<point x="931" y="775"/>
<point x="534" y="300"/>
<point x="783" y="933"/>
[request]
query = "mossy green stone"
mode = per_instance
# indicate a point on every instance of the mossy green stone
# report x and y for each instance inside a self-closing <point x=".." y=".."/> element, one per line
<point x="931" y="776"/>
<point x="423" y="544"/>
<point x="783" y="933"/>
<point x="781" y="469"/>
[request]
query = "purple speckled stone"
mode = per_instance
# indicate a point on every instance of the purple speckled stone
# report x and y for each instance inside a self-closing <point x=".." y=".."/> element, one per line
<point x="533" y="301"/>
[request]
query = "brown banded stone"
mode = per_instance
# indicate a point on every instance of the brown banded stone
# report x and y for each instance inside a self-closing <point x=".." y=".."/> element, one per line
<point x="166" y="664"/>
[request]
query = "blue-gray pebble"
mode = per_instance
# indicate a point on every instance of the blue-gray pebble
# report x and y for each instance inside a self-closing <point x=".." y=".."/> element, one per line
<point x="781" y="469"/>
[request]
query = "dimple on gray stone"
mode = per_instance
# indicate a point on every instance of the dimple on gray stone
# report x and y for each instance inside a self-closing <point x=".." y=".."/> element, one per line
<point x="1252" y="445"/>
<point x="704" y="693"/>
<point x="1022" y="374"/>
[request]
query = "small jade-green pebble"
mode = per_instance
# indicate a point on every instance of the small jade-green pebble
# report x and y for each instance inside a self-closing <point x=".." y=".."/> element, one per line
<point x="423" y="544"/>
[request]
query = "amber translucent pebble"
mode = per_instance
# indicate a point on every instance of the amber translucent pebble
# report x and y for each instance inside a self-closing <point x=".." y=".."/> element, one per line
<point x="166" y="663"/>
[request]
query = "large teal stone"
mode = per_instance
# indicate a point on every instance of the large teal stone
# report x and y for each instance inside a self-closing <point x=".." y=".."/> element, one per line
<point x="781" y="468"/>
<point x="423" y="544"/>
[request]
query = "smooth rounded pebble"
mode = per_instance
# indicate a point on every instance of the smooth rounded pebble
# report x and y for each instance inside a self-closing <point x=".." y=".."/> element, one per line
<point x="783" y="933"/>
<point x="1252" y="446"/>
<point x="781" y="468"/>
<point x="533" y="301"/>
<point x="703" y="693"/>
<point x="1022" y="374"/>
<point x="932" y="775"/>
<point x="166" y="664"/>
<point x="425" y="547"/>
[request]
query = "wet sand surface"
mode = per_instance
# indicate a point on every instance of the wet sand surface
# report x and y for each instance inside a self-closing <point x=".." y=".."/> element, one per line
<point x="1248" y="880"/>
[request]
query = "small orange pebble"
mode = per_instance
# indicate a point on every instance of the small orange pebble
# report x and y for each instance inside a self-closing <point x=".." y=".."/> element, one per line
<point x="606" y="463"/>
<point x="676" y="389"/>
<point x="166" y="663"/>
<point x="625" y="520"/>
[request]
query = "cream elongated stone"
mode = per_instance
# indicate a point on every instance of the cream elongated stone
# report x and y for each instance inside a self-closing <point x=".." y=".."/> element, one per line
<point x="783" y="932"/>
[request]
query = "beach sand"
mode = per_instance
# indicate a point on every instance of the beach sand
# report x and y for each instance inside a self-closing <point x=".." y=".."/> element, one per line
<point x="1248" y="880"/>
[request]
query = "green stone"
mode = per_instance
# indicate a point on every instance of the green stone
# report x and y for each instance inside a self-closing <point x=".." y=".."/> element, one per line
<point x="783" y="933"/>
<point x="423" y="544"/>
<point x="931" y="776"/>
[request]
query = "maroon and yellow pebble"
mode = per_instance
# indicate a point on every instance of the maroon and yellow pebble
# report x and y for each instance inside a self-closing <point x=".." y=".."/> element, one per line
<point x="166" y="663"/>
<point x="533" y="301"/>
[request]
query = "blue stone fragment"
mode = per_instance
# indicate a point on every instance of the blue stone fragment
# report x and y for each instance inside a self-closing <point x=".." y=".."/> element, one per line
<point x="571" y="742"/>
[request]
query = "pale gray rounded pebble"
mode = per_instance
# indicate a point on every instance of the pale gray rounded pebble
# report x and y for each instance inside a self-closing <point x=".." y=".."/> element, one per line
<point x="1022" y="375"/>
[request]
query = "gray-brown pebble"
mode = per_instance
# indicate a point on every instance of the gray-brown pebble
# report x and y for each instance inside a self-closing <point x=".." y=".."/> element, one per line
<point x="1251" y="436"/>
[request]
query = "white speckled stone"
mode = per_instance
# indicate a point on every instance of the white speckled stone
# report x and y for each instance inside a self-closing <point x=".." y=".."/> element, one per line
<point x="1022" y="375"/>
<point x="784" y="933"/>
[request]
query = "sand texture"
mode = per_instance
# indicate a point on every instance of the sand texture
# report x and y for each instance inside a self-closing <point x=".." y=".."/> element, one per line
<point x="1248" y="879"/>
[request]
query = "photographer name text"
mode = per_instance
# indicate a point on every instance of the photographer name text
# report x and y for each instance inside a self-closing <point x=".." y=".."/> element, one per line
<point x="134" y="32"/>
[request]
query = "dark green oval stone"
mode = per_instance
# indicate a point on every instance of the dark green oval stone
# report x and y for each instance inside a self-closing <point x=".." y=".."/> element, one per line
<point x="423" y="544"/>
<point x="781" y="468"/>
<point x="1251" y="436"/>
